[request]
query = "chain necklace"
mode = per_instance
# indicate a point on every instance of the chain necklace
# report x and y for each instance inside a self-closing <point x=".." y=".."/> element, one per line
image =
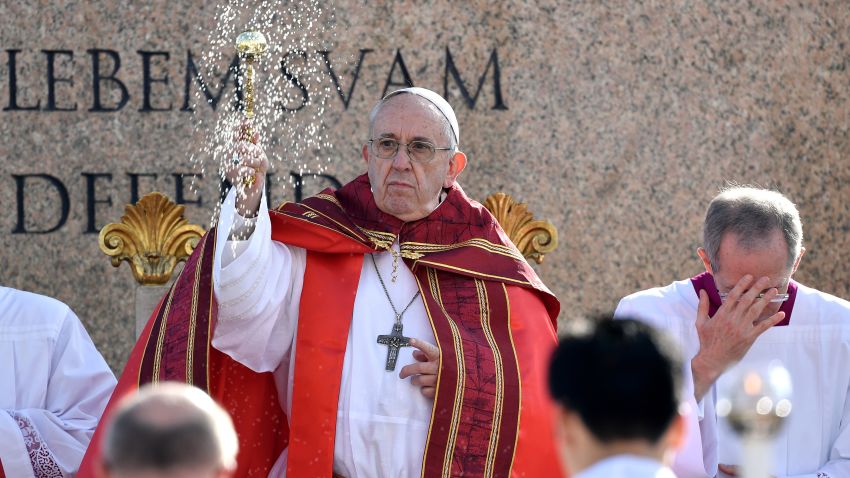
<point x="396" y="339"/>
<point x="395" y="269"/>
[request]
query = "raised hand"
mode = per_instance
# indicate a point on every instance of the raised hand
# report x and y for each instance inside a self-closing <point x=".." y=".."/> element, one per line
<point x="247" y="160"/>
<point x="725" y="338"/>
<point x="424" y="371"/>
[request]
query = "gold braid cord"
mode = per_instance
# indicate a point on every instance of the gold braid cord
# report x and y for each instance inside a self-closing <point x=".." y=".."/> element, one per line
<point x="153" y="236"/>
<point x="533" y="238"/>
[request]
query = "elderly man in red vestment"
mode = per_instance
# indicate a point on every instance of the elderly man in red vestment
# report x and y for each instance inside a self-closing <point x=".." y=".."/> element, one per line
<point x="388" y="328"/>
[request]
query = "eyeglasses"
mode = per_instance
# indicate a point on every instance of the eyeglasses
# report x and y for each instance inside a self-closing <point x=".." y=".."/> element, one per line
<point x="777" y="299"/>
<point x="417" y="151"/>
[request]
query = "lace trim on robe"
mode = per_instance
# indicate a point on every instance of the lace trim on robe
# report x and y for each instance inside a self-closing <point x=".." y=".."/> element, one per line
<point x="43" y="464"/>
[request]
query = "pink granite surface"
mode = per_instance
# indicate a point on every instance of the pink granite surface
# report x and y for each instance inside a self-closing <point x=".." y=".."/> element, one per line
<point x="622" y="121"/>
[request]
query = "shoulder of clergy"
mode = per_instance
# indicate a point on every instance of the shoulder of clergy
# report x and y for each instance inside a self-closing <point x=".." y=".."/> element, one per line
<point x="655" y="293"/>
<point x="658" y="299"/>
<point x="26" y="312"/>
<point x="813" y="307"/>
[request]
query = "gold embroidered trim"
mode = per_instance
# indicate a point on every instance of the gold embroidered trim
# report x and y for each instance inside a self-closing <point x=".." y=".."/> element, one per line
<point x="328" y="197"/>
<point x="193" y="317"/>
<point x="385" y="240"/>
<point x="378" y="234"/>
<point x="461" y="374"/>
<point x="484" y="303"/>
<point x="474" y="273"/>
<point x="411" y="255"/>
<point x="381" y="240"/>
<point x="157" y="358"/>
<point x="148" y="340"/>
<point x="313" y="213"/>
<point x="439" y="378"/>
<point x="210" y="317"/>
<point x="518" y="375"/>
<point x="353" y="234"/>
<point x="298" y="218"/>
<point x="474" y="242"/>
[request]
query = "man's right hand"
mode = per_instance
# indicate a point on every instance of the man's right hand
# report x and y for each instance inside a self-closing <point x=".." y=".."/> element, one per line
<point x="247" y="159"/>
<point x="725" y="338"/>
<point x="424" y="371"/>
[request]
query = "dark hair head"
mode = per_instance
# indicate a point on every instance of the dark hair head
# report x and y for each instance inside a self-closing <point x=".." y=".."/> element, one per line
<point x="621" y="377"/>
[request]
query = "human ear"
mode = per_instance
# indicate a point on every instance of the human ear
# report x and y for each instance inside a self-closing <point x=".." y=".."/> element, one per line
<point x="365" y="153"/>
<point x="673" y="439"/>
<point x="456" y="165"/>
<point x="676" y="433"/>
<point x="705" y="262"/>
<point x="797" y="262"/>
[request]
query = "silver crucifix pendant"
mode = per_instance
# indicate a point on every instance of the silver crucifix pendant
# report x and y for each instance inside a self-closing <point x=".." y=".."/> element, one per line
<point x="394" y="342"/>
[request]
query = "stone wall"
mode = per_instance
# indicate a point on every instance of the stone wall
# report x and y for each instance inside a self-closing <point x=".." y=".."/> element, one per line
<point x="617" y="121"/>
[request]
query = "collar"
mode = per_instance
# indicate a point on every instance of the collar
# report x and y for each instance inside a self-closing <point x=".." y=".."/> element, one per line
<point x="705" y="281"/>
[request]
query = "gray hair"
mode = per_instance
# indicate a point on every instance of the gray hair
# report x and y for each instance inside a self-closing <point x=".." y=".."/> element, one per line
<point x="447" y="127"/>
<point x="752" y="214"/>
<point x="172" y="425"/>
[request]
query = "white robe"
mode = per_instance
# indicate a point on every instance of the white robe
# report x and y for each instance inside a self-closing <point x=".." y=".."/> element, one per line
<point x="814" y="347"/>
<point x="382" y="421"/>
<point x="54" y="386"/>
<point x="626" y="466"/>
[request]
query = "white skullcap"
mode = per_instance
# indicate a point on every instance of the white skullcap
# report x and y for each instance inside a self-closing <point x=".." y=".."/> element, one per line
<point x="435" y="100"/>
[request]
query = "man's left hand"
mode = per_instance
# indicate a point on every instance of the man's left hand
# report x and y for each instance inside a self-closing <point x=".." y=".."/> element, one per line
<point x="424" y="371"/>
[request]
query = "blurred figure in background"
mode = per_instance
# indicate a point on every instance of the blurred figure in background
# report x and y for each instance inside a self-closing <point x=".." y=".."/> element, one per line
<point x="169" y="431"/>
<point x="617" y="386"/>
<point x="54" y="386"/>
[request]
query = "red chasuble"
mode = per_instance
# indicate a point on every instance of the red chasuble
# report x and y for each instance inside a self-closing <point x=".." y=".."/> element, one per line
<point x="493" y="319"/>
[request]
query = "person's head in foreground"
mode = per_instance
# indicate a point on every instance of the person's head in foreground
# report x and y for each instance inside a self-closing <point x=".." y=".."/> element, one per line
<point x="412" y="152"/>
<point x="752" y="233"/>
<point x="616" y="387"/>
<point x="169" y="431"/>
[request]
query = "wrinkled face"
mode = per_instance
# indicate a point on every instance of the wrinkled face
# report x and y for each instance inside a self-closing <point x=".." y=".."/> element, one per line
<point x="405" y="189"/>
<point x="767" y="260"/>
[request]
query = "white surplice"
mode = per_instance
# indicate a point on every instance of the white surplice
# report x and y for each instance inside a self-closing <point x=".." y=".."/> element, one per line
<point x="814" y="347"/>
<point x="626" y="466"/>
<point x="673" y="309"/>
<point x="382" y="421"/>
<point x="54" y="386"/>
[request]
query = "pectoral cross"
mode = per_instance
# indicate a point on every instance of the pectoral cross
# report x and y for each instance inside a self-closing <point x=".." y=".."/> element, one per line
<point x="394" y="342"/>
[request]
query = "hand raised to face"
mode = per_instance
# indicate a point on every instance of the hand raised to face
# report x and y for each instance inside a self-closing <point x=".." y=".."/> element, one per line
<point x="727" y="336"/>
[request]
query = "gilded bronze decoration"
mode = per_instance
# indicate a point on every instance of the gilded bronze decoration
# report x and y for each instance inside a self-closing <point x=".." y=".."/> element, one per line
<point x="533" y="238"/>
<point x="251" y="46"/>
<point x="153" y="236"/>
